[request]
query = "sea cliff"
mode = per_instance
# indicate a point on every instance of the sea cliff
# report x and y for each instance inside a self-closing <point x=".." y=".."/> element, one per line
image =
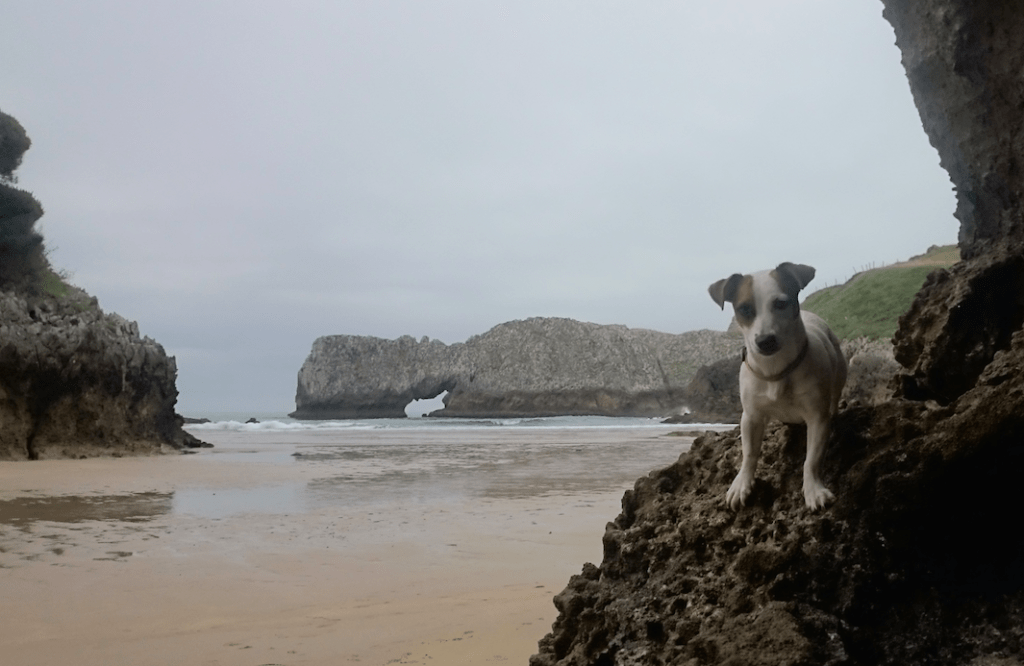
<point x="534" y="367"/>
<point x="77" y="382"/>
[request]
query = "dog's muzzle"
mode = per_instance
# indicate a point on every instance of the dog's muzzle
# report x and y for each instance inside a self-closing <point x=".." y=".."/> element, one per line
<point x="767" y="344"/>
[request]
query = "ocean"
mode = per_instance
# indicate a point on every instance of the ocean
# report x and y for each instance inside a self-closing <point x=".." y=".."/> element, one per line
<point x="376" y="462"/>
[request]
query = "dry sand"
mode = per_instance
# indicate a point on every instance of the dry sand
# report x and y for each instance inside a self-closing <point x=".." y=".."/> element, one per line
<point x="101" y="563"/>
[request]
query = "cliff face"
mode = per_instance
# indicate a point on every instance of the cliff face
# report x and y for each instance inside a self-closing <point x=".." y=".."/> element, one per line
<point x="536" y="367"/>
<point x="76" y="382"/>
<point x="964" y="61"/>
<point x="919" y="559"/>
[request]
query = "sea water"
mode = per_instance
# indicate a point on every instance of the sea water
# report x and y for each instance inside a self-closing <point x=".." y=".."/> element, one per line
<point x="389" y="469"/>
<point x="374" y="462"/>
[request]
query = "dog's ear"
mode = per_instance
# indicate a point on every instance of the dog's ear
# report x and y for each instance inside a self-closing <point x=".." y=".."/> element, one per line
<point x="725" y="290"/>
<point x="798" y="273"/>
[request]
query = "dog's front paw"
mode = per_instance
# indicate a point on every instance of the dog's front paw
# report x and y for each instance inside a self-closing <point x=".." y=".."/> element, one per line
<point x="739" y="491"/>
<point x="816" y="495"/>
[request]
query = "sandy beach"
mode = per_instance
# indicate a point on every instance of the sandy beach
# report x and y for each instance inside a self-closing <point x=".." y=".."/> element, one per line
<point x="257" y="552"/>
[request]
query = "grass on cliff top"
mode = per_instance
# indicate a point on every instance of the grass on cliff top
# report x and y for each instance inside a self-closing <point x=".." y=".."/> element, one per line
<point x="57" y="285"/>
<point x="870" y="303"/>
<point x="52" y="284"/>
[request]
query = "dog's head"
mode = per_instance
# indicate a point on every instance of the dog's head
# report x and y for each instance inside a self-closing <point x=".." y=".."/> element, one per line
<point x="766" y="304"/>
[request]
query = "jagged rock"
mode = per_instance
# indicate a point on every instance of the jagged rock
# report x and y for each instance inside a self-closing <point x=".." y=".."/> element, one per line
<point x="76" y="382"/>
<point x="960" y="319"/>
<point x="536" y="367"/>
<point x="900" y="570"/>
<point x="191" y="421"/>
<point x="919" y="559"/>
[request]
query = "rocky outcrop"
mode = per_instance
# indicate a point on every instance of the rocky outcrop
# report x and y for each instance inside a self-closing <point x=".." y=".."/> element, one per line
<point x="919" y="559"/>
<point x="76" y="382"/>
<point x="713" y="395"/>
<point x="903" y="569"/>
<point x="536" y="367"/>
<point x="354" y="376"/>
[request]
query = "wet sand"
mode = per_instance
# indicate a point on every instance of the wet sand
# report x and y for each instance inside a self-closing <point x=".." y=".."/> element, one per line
<point x="228" y="557"/>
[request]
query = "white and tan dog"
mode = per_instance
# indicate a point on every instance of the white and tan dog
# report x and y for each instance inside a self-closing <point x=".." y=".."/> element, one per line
<point x="793" y="370"/>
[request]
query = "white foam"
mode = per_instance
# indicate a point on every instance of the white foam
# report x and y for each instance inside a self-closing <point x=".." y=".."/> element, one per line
<point x="433" y="423"/>
<point x="273" y="426"/>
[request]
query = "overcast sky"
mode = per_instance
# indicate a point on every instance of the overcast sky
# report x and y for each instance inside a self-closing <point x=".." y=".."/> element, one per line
<point x="242" y="177"/>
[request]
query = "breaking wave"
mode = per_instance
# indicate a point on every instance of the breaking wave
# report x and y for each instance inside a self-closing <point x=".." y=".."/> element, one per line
<point x="434" y="423"/>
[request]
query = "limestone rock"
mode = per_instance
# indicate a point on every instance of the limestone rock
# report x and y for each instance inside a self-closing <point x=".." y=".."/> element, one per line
<point x="76" y="382"/>
<point x="535" y="367"/>
<point x="713" y="395"/>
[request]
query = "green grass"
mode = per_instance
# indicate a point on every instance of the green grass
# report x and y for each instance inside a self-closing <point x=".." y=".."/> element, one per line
<point x="870" y="303"/>
<point x="945" y="254"/>
<point x="52" y="285"/>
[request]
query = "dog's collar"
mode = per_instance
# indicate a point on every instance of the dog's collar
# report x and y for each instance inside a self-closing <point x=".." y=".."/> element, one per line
<point x="786" y="372"/>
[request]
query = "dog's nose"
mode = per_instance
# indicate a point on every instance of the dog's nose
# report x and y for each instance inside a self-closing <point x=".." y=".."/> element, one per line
<point x="767" y="344"/>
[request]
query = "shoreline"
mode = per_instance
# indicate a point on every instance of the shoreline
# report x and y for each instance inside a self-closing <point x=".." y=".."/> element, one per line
<point x="456" y="579"/>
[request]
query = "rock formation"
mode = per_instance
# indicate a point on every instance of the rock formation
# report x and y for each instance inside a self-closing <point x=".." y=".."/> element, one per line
<point x="74" y="381"/>
<point x="919" y="559"/>
<point x="964" y="61"/>
<point x="713" y="395"/>
<point x="536" y="367"/>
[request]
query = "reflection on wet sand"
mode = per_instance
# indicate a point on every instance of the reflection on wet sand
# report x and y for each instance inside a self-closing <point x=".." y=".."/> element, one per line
<point x="132" y="507"/>
<point x="357" y="470"/>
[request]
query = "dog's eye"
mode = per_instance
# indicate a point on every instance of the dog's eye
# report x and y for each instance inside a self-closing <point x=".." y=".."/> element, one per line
<point x="781" y="303"/>
<point x="745" y="310"/>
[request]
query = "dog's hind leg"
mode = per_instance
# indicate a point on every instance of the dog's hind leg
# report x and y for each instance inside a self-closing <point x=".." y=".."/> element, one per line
<point x="751" y="432"/>
<point x="816" y="495"/>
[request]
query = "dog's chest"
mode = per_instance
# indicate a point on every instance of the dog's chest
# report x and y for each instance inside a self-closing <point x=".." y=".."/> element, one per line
<point x="776" y="400"/>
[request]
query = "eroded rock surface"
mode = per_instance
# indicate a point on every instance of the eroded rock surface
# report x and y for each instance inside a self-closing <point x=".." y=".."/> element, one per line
<point x="909" y="566"/>
<point x="535" y="367"/>
<point x="76" y="382"/>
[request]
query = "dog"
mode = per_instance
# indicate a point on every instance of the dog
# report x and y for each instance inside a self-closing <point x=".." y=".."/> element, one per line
<point x="793" y="370"/>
